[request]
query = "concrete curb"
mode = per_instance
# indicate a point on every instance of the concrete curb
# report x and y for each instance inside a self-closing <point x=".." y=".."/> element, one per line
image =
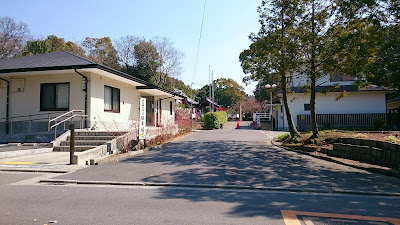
<point x="388" y="172"/>
<point x="10" y="154"/>
<point x="122" y="156"/>
<point x="33" y="170"/>
<point x="215" y="186"/>
<point x="118" y="156"/>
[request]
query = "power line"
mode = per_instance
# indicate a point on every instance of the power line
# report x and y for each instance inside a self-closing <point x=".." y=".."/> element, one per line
<point x="198" y="46"/>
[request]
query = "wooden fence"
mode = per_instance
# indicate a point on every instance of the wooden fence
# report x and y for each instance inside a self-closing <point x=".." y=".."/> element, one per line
<point x="377" y="121"/>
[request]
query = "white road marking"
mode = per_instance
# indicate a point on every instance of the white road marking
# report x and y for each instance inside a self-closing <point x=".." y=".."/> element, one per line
<point x="267" y="135"/>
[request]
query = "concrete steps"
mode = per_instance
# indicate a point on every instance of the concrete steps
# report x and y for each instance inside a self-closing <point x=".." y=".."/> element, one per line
<point x="89" y="138"/>
<point x="77" y="148"/>
<point x="86" y="140"/>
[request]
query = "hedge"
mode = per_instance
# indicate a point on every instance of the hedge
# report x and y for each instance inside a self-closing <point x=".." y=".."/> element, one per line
<point x="215" y="120"/>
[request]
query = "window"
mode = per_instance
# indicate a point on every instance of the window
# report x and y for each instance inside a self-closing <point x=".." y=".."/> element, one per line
<point x="170" y="108"/>
<point x="307" y="107"/>
<point x="111" y="99"/>
<point x="54" y="97"/>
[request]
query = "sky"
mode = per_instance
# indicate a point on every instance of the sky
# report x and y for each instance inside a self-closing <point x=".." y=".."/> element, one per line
<point x="227" y="25"/>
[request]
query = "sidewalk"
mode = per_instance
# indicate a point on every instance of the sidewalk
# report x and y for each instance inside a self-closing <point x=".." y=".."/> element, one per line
<point x="52" y="162"/>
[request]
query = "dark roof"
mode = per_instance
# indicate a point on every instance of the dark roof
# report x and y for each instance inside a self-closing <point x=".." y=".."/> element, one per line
<point x="341" y="88"/>
<point x="394" y="100"/>
<point x="208" y="100"/>
<point x="189" y="100"/>
<point x="63" y="61"/>
<point x="49" y="60"/>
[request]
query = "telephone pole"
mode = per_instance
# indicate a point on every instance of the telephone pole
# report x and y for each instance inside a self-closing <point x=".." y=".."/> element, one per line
<point x="212" y="89"/>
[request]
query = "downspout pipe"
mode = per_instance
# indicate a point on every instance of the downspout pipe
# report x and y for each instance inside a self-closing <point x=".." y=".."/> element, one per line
<point x="7" y="105"/>
<point x="86" y="95"/>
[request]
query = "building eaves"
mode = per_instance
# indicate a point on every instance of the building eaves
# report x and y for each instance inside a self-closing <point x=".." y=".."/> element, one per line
<point x="63" y="61"/>
<point x="341" y="88"/>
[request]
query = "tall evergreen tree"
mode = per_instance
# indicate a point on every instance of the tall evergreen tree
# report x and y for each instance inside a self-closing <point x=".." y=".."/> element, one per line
<point x="317" y="17"/>
<point x="274" y="52"/>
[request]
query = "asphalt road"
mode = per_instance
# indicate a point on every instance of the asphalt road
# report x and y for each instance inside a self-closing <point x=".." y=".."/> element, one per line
<point x="29" y="203"/>
<point x="236" y="157"/>
<point x="223" y="157"/>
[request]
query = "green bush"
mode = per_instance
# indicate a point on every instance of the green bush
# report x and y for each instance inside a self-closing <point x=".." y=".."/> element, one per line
<point x="215" y="120"/>
<point x="391" y="139"/>
<point x="284" y="136"/>
<point x="379" y="123"/>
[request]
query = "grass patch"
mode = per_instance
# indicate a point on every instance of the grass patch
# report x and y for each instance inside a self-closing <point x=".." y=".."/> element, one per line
<point x="391" y="139"/>
<point x="283" y="137"/>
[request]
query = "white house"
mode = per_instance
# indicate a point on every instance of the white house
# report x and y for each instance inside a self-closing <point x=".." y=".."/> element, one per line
<point x="339" y="103"/>
<point x="35" y="89"/>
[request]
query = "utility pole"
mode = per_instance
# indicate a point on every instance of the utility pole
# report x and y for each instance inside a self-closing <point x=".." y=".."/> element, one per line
<point x="240" y="112"/>
<point x="191" y="106"/>
<point x="212" y="89"/>
<point x="209" y="85"/>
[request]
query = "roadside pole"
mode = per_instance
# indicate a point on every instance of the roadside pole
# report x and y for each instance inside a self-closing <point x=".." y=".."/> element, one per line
<point x="71" y="143"/>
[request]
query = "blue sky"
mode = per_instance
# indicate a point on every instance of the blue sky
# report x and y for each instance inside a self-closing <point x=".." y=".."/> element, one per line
<point x="227" y="24"/>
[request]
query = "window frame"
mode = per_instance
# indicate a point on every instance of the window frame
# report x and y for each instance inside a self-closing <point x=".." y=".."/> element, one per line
<point x="55" y="97"/>
<point x="307" y="107"/>
<point x="112" y="100"/>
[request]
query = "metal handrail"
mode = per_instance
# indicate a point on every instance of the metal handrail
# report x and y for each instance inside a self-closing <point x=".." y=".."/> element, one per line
<point x="258" y="116"/>
<point x="63" y="115"/>
<point x="43" y="117"/>
<point x="39" y="114"/>
<point x="65" y="120"/>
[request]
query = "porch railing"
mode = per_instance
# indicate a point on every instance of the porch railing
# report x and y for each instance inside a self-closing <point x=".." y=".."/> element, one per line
<point x="66" y="117"/>
<point x="38" y="122"/>
<point x="26" y="121"/>
<point x="347" y="120"/>
<point x="257" y="117"/>
<point x="264" y="115"/>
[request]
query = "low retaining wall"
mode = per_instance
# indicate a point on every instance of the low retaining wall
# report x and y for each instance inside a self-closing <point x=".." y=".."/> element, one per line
<point x="116" y="145"/>
<point x="374" y="152"/>
<point x="39" y="137"/>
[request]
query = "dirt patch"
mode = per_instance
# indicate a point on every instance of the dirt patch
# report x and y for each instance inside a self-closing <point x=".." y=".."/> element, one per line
<point x="329" y="137"/>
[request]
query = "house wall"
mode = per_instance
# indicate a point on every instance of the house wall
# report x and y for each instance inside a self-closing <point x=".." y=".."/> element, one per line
<point x="27" y="101"/>
<point x="3" y="100"/>
<point x="166" y="117"/>
<point x="354" y="102"/>
<point x="127" y="118"/>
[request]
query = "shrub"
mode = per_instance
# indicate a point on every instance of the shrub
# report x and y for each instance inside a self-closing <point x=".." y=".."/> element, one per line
<point x="182" y="119"/>
<point x="215" y="120"/>
<point x="284" y="136"/>
<point x="391" y="139"/>
<point x="379" y="123"/>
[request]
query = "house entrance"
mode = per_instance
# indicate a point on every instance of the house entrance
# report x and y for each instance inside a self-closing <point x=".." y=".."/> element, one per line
<point x="149" y="110"/>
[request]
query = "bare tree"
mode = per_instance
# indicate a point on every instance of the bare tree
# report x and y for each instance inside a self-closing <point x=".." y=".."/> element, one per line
<point x="169" y="60"/>
<point x="13" y="37"/>
<point x="126" y="50"/>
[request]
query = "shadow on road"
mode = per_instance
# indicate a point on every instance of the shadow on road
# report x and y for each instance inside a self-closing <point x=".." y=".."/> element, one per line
<point x="238" y="163"/>
<point x="244" y="157"/>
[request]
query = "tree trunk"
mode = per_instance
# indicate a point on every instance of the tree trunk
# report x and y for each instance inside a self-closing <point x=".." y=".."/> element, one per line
<point x="292" y="128"/>
<point x="312" y="108"/>
<point x="313" y="76"/>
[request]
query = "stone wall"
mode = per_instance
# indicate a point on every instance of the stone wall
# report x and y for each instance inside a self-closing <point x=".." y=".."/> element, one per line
<point x="374" y="152"/>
